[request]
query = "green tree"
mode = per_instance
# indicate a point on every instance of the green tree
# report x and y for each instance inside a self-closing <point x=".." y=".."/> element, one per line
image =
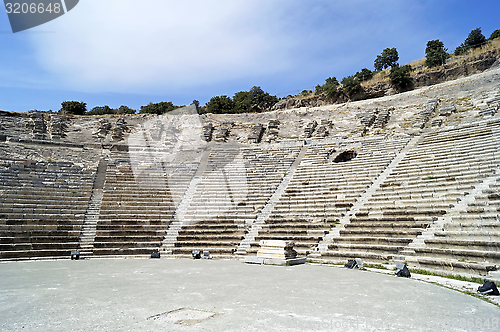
<point x="330" y="87"/>
<point x="400" y="76"/>
<point x="158" y="108"/>
<point x="243" y="101"/>
<point x="73" y="107"/>
<point x="364" y="75"/>
<point x="101" y="110"/>
<point x="262" y="98"/>
<point x="388" y="58"/>
<point x="125" y="110"/>
<point x="495" y="35"/>
<point x="350" y="85"/>
<point x="474" y="40"/>
<point x="435" y="53"/>
<point x="461" y="49"/>
<point x="220" y="105"/>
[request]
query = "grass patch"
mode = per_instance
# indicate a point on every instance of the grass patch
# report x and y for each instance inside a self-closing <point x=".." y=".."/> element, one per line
<point x="334" y="224"/>
<point x="476" y="280"/>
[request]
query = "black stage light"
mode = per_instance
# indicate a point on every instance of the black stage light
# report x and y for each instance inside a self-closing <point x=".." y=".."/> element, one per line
<point x="402" y="270"/>
<point x="196" y="254"/>
<point x="75" y="255"/>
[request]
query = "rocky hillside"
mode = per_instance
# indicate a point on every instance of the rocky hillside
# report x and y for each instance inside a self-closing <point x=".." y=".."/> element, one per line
<point x="51" y="136"/>
<point x="421" y="77"/>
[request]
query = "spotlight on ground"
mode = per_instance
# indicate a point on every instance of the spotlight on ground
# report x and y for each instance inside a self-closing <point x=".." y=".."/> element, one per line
<point x="355" y="264"/>
<point x="75" y="255"/>
<point x="206" y="254"/>
<point x="155" y="254"/>
<point x="196" y="254"/>
<point x="488" y="288"/>
<point x="402" y="270"/>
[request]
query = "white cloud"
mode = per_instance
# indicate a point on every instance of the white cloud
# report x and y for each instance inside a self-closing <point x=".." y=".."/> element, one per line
<point x="220" y="46"/>
<point x="124" y="45"/>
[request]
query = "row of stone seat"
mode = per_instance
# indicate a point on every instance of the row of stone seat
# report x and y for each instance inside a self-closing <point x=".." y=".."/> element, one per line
<point x="234" y="188"/>
<point x="305" y="233"/>
<point x="221" y="237"/>
<point x="422" y="189"/>
<point x="42" y="208"/>
<point x="322" y="192"/>
<point x="136" y="208"/>
<point x="470" y="240"/>
<point x="239" y="187"/>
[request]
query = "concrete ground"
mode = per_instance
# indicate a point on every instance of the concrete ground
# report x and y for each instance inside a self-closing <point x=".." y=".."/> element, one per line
<point x="219" y="295"/>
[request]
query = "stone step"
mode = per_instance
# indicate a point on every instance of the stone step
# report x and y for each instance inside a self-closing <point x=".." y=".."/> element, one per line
<point x="448" y="266"/>
<point x="445" y="243"/>
<point x="344" y="256"/>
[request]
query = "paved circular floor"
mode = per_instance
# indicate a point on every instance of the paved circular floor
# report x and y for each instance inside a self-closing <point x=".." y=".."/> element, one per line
<point x="218" y="295"/>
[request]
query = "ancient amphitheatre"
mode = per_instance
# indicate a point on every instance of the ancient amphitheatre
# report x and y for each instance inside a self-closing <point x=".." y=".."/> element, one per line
<point x="411" y="177"/>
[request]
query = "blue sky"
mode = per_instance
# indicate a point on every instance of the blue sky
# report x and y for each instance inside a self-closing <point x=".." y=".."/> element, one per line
<point x="125" y="52"/>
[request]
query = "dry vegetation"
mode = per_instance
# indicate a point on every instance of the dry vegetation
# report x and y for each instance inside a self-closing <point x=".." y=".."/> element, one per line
<point x="419" y="65"/>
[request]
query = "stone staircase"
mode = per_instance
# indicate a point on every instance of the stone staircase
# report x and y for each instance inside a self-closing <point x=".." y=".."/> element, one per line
<point x="170" y="238"/>
<point x="256" y="227"/>
<point x="89" y="228"/>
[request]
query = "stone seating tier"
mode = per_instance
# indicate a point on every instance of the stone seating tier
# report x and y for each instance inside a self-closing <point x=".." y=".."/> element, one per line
<point x="433" y="178"/>
<point x="38" y="254"/>
<point x="368" y="256"/>
<point x="220" y="237"/>
<point x="451" y="266"/>
<point x="305" y="233"/>
<point x="135" y="211"/>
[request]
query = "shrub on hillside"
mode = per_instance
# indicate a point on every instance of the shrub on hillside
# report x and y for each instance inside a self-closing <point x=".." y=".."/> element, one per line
<point x="220" y="105"/>
<point x="330" y="87"/>
<point x="261" y="98"/>
<point x="495" y="35"/>
<point x="245" y="101"/>
<point x="435" y="54"/>
<point x="242" y="102"/>
<point x="101" y="110"/>
<point x="400" y="76"/>
<point x="364" y="75"/>
<point x="125" y="110"/>
<point x="474" y="40"/>
<point x="158" y="108"/>
<point x="73" y="107"/>
<point x="350" y="85"/>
